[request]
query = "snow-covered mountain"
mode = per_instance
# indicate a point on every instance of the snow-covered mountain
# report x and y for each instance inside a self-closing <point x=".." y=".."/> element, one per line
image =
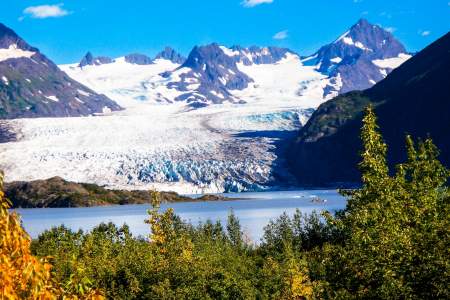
<point x="33" y="86"/>
<point x="359" y="58"/>
<point x="216" y="121"/>
<point x="211" y="74"/>
<point x="214" y="74"/>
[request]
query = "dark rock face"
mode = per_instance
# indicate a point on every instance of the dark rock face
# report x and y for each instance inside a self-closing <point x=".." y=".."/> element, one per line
<point x="170" y="54"/>
<point x="138" y="59"/>
<point x="352" y="54"/>
<point x="8" y="37"/>
<point x="90" y="60"/>
<point x="214" y="71"/>
<point x="35" y="87"/>
<point x="413" y="99"/>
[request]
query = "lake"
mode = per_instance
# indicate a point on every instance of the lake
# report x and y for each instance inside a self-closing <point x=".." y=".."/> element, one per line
<point x="254" y="211"/>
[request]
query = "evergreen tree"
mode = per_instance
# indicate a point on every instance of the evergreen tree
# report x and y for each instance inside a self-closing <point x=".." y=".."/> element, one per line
<point x="397" y="227"/>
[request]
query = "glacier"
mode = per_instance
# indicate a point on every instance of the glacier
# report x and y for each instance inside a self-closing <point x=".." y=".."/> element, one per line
<point x="159" y="143"/>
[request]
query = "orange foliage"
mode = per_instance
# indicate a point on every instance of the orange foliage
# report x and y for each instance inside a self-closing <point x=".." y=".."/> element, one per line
<point x="22" y="275"/>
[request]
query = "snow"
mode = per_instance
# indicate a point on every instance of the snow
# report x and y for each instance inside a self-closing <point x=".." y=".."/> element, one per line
<point x="5" y="80"/>
<point x="391" y="63"/>
<point x="83" y="93"/>
<point x="154" y="144"/>
<point x="336" y="84"/>
<point x="288" y="83"/>
<point x="348" y="40"/>
<point x="336" y="60"/>
<point x="193" y="86"/>
<point x="383" y="72"/>
<point x="372" y="81"/>
<point x="217" y="94"/>
<point x="127" y="83"/>
<point x="309" y="58"/>
<point x="361" y="46"/>
<point x="53" y="98"/>
<point x="13" y="52"/>
<point x="228" y="51"/>
<point x="157" y="142"/>
<point x="342" y="36"/>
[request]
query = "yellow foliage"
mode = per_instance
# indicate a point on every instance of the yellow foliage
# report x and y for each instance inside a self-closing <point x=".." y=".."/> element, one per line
<point x="298" y="281"/>
<point x="22" y="275"/>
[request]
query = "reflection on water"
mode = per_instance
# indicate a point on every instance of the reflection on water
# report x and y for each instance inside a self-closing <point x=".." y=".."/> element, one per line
<point x="254" y="211"/>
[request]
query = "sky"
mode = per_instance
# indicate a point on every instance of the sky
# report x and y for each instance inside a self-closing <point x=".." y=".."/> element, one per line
<point x="64" y="30"/>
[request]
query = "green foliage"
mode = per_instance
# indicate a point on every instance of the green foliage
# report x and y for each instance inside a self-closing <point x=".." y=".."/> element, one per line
<point x="57" y="192"/>
<point x="397" y="227"/>
<point x="391" y="242"/>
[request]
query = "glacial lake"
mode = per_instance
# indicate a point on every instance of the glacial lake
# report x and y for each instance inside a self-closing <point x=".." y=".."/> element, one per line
<point x="254" y="211"/>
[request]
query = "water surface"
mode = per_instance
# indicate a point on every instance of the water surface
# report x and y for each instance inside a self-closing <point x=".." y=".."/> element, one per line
<point x="254" y="211"/>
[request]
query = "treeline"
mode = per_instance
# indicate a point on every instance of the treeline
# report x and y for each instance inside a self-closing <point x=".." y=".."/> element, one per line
<point x="391" y="242"/>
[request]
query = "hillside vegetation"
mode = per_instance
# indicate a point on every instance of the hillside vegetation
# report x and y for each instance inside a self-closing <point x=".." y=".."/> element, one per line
<point x="413" y="99"/>
<point x="57" y="192"/>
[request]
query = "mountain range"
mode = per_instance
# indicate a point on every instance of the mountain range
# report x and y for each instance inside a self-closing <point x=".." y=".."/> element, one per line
<point x="220" y="119"/>
<point x="33" y="86"/>
<point x="214" y="74"/>
<point x="413" y="99"/>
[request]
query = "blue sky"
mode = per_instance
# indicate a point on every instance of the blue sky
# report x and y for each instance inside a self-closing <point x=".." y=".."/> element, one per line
<point x="65" y="30"/>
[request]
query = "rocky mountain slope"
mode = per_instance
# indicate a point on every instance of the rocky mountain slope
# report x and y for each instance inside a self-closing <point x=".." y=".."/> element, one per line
<point x="413" y="99"/>
<point x="170" y="54"/>
<point x="33" y="86"/>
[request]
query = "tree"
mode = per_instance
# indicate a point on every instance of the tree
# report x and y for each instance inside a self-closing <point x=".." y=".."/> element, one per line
<point x="397" y="227"/>
<point x="24" y="276"/>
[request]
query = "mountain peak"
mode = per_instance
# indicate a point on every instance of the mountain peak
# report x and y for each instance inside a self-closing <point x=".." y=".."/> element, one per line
<point x="372" y="38"/>
<point x="90" y="60"/>
<point x="201" y="56"/>
<point x="353" y="60"/>
<point x="33" y="86"/>
<point x="362" y="22"/>
<point x="6" y="31"/>
<point x="138" y="59"/>
<point x="207" y="75"/>
<point x="8" y="37"/>
<point x="170" y="54"/>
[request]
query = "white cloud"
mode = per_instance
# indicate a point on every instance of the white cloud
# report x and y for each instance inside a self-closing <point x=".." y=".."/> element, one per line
<point x="281" y="35"/>
<point x="46" y="11"/>
<point x="386" y="15"/>
<point x="424" y="32"/>
<point x="253" y="3"/>
<point x="390" y="29"/>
